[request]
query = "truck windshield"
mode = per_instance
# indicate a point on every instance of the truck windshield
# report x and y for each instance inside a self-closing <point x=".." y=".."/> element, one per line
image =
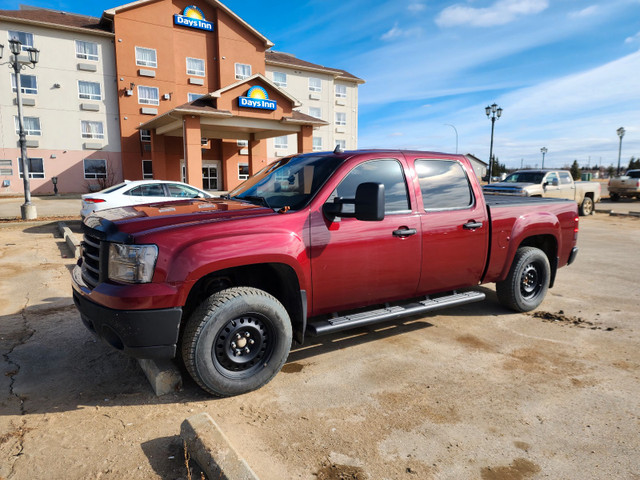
<point x="525" y="177"/>
<point x="291" y="182"/>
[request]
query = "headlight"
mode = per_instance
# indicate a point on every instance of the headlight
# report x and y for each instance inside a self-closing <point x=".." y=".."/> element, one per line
<point x="132" y="263"/>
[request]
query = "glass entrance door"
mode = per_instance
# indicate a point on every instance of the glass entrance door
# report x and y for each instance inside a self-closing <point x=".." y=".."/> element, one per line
<point x="210" y="176"/>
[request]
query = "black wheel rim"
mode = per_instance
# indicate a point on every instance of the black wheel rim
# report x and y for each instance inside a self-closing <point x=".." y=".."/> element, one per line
<point x="243" y="346"/>
<point x="531" y="281"/>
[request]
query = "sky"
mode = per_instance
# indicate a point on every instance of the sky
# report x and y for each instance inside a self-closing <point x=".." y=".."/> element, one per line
<point x="565" y="72"/>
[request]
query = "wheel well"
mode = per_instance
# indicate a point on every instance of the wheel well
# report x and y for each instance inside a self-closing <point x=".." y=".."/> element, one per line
<point x="549" y="245"/>
<point x="589" y="194"/>
<point x="276" y="279"/>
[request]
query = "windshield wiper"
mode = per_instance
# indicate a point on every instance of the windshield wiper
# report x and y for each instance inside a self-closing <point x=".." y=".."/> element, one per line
<point x="255" y="198"/>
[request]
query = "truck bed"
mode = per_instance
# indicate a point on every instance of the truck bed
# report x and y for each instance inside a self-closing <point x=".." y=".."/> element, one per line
<point x="512" y="201"/>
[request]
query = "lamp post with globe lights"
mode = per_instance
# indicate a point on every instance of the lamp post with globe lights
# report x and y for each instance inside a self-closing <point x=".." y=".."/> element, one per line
<point x="493" y="112"/>
<point x="544" y="151"/>
<point x="28" y="210"/>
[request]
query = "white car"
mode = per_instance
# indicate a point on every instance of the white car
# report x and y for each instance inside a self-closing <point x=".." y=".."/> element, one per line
<point x="138" y="192"/>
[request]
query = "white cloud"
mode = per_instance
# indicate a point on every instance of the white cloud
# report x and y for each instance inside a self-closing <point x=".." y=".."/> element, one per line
<point x="397" y="32"/>
<point x="633" y="39"/>
<point x="585" y="12"/>
<point x="416" y="7"/>
<point x="500" y="13"/>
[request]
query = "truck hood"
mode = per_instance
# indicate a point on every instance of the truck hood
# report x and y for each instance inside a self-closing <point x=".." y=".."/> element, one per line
<point x="503" y="185"/>
<point x="137" y="218"/>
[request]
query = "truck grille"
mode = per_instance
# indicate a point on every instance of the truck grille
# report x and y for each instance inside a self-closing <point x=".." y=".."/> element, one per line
<point x="91" y="260"/>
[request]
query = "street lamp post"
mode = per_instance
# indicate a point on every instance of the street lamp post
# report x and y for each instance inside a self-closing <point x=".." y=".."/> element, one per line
<point x="493" y="112"/>
<point x="456" y="130"/>
<point x="544" y="152"/>
<point x="620" y="132"/>
<point x="28" y="210"/>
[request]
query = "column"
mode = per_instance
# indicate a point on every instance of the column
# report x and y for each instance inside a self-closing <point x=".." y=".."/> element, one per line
<point x="192" y="149"/>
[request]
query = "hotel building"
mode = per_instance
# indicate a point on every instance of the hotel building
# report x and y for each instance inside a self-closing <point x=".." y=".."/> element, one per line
<point x="162" y="89"/>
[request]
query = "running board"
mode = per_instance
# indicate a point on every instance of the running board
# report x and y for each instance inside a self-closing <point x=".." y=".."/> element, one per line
<point x="338" y="324"/>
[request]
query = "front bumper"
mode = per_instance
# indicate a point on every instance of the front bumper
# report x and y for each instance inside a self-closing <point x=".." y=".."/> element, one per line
<point x="137" y="333"/>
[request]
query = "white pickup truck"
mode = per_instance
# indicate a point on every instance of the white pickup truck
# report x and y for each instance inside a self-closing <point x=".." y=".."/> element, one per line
<point x="548" y="184"/>
<point x="627" y="185"/>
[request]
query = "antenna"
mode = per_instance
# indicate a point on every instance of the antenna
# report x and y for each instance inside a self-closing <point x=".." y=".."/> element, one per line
<point x="338" y="149"/>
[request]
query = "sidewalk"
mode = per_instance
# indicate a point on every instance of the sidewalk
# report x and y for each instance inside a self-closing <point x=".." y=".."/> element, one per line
<point x="46" y="206"/>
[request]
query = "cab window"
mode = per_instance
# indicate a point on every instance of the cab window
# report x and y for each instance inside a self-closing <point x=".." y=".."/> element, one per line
<point x="386" y="171"/>
<point x="444" y="185"/>
<point x="565" y="178"/>
<point x="551" y="177"/>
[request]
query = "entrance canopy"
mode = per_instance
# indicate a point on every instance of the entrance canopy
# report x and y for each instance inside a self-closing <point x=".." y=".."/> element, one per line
<point x="253" y="109"/>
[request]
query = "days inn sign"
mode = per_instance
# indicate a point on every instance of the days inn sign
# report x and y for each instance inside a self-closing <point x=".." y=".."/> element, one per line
<point x="193" y="17"/>
<point x="257" y="97"/>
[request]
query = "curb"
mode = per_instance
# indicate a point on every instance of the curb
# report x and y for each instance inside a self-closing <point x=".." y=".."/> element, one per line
<point x="212" y="451"/>
<point x="70" y="239"/>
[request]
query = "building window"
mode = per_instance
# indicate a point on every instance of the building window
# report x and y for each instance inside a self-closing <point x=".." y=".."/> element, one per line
<point x="25" y="38"/>
<point x="342" y="144"/>
<point x="242" y="71"/>
<point x="92" y="129"/>
<point x="147" y="170"/>
<point x="148" y="95"/>
<point x="315" y="112"/>
<point x="86" y="50"/>
<point x="35" y="167"/>
<point x="89" y="90"/>
<point x="146" y="57"/>
<point x="315" y="84"/>
<point x="145" y="135"/>
<point x="95" y="168"/>
<point x="341" y="118"/>
<point x="243" y="171"/>
<point x="281" y="142"/>
<point x="280" y="79"/>
<point x="194" y="96"/>
<point x="195" y="66"/>
<point x="317" y="144"/>
<point x="28" y="84"/>
<point x="31" y="126"/>
<point x="341" y="91"/>
<point x="243" y="143"/>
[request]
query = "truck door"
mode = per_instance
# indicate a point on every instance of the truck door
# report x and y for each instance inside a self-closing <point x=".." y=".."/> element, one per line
<point x="357" y="263"/>
<point x="455" y="229"/>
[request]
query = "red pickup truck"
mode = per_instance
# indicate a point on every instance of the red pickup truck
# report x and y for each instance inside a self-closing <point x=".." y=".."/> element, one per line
<point x="312" y="244"/>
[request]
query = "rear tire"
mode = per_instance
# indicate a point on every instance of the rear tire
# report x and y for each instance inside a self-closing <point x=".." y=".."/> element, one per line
<point x="614" y="197"/>
<point x="586" y="208"/>
<point x="236" y="341"/>
<point x="527" y="282"/>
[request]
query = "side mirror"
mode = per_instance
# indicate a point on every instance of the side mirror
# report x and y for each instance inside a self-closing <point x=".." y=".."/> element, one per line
<point x="368" y="204"/>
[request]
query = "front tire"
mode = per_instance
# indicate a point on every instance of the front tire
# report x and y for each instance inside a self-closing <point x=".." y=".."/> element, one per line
<point x="614" y="197"/>
<point x="236" y="341"/>
<point x="527" y="282"/>
<point x="586" y="208"/>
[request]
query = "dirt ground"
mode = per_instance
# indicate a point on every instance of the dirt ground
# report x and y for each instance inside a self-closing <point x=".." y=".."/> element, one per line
<point x="475" y="392"/>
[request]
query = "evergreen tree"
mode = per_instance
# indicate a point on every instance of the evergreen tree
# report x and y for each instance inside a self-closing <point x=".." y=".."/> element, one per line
<point x="575" y="170"/>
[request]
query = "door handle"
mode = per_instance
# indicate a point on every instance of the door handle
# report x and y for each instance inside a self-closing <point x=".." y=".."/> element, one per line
<point x="472" y="225"/>
<point x="404" y="232"/>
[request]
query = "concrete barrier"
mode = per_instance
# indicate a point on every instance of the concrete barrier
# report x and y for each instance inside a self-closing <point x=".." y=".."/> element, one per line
<point x="212" y="451"/>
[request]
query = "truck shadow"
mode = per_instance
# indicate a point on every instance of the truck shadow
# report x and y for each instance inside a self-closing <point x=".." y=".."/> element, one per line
<point x="53" y="364"/>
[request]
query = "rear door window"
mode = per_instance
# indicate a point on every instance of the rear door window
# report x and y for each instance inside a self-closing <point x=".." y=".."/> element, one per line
<point x="444" y="185"/>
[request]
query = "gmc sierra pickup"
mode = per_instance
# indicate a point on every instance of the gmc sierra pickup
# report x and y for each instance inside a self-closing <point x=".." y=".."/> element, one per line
<point x="312" y="244"/>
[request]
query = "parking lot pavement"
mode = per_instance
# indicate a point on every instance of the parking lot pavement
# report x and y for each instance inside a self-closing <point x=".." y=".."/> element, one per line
<point x="472" y="392"/>
<point x="46" y="206"/>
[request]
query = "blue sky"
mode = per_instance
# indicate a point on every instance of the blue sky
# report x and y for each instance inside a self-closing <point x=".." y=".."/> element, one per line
<point x="566" y="72"/>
